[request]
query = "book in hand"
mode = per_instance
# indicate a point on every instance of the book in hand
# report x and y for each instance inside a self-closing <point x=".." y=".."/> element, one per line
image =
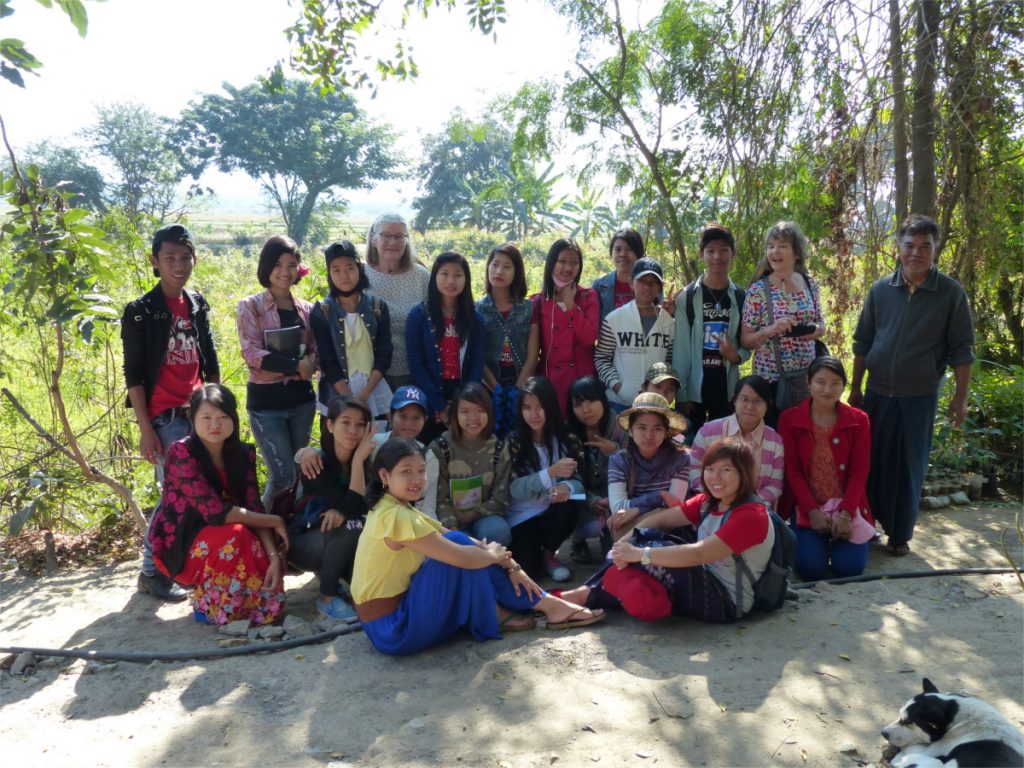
<point x="467" y="492"/>
<point x="285" y="341"/>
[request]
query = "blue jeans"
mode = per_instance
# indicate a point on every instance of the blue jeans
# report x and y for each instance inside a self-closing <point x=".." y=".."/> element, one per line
<point x="815" y="553"/>
<point x="169" y="432"/>
<point x="492" y="528"/>
<point x="279" y="434"/>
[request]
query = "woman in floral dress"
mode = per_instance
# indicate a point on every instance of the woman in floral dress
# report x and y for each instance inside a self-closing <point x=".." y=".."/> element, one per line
<point x="210" y="531"/>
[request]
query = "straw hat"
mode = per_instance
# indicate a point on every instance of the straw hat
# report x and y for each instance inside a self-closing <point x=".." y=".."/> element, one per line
<point x="652" y="402"/>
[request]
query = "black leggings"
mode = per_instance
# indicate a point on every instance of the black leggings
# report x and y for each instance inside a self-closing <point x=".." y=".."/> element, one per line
<point x="332" y="554"/>
<point x="544" y="533"/>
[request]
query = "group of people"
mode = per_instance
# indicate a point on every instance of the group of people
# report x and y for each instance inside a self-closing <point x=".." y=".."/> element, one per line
<point x="463" y="443"/>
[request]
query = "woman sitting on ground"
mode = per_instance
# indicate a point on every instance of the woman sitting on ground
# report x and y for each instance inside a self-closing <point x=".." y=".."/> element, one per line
<point x="652" y="463"/>
<point x="545" y="464"/>
<point x="209" y="531"/>
<point x="695" y="574"/>
<point x="828" y="455"/>
<point x="752" y="400"/>
<point x="415" y="584"/>
<point x="592" y="422"/>
<point x="326" y="530"/>
<point x="473" y="468"/>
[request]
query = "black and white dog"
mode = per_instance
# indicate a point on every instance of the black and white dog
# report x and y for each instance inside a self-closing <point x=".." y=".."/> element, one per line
<point x="940" y="729"/>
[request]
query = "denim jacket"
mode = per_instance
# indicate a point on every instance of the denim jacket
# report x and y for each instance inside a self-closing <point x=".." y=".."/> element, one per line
<point x="517" y="325"/>
<point x="425" y="357"/>
<point x="327" y="319"/>
<point x="605" y="287"/>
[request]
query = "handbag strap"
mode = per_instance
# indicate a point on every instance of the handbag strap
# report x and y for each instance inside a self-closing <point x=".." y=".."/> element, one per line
<point x="774" y="341"/>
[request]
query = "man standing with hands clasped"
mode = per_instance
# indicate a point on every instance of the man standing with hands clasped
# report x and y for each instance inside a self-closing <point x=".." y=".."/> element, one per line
<point x="913" y="324"/>
<point x="168" y="354"/>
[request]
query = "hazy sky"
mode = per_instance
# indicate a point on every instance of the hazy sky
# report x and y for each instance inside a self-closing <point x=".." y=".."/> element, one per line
<point x="163" y="53"/>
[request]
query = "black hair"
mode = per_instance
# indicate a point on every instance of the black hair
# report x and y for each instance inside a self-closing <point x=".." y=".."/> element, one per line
<point x="337" y="406"/>
<point x="478" y="395"/>
<point x="275" y="247"/>
<point x="524" y="454"/>
<point x="919" y="224"/>
<point x="760" y="385"/>
<point x="633" y="240"/>
<point x="464" y="308"/>
<point x="339" y="250"/>
<point x="232" y="452"/>
<point x="829" y="363"/>
<point x="518" y="288"/>
<point x="562" y="244"/>
<point x="387" y="458"/>
<point x="588" y="388"/>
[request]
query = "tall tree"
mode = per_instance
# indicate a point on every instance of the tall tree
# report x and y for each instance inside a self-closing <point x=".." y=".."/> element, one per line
<point x="923" y="119"/>
<point x="465" y="155"/>
<point x="147" y="171"/>
<point x="300" y="145"/>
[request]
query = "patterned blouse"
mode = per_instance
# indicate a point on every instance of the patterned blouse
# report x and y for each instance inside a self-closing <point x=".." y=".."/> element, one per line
<point x="401" y="292"/>
<point x="804" y="307"/>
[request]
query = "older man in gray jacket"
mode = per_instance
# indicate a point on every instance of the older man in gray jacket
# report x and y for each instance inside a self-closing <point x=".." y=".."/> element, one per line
<point x="914" y="324"/>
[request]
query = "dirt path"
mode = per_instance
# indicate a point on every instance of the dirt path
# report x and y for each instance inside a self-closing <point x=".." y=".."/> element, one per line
<point x="808" y="686"/>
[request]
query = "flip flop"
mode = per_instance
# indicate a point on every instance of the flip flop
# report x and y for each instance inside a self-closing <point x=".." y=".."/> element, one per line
<point x="898" y="550"/>
<point x="508" y="624"/>
<point x="568" y="623"/>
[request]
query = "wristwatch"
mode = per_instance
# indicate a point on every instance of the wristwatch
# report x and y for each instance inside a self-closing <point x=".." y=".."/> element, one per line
<point x="645" y="558"/>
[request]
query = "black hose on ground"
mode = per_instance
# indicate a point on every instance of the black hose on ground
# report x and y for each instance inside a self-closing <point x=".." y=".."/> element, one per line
<point x="346" y="629"/>
<point x="903" y="575"/>
<point x="142" y="657"/>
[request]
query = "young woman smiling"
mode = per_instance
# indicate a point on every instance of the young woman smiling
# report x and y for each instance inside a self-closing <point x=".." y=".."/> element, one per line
<point x="653" y="574"/>
<point x="828" y="456"/>
<point x="473" y="469"/>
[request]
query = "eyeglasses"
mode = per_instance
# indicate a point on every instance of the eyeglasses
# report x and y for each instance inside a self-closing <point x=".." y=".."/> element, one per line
<point x="389" y="238"/>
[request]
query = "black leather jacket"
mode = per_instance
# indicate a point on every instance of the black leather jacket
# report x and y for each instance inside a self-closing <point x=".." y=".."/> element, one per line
<point x="146" y="332"/>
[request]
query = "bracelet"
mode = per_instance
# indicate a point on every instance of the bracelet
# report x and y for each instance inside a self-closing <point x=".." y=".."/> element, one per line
<point x="275" y="554"/>
<point x="515" y="567"/>
<point x="846" y="515"/>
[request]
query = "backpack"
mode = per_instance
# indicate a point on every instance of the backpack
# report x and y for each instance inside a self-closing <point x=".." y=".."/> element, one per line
<point x="770" y="589"/>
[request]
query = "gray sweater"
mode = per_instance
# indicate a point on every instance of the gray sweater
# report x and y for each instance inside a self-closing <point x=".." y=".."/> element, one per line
<point x="907" y="340"/>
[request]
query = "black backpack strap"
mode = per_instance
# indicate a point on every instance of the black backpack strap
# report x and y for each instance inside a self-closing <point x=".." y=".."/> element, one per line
<point x="499" y="444"/>
<point x="376" y="306"/>
<point x="691" y="311"/>
<point x="446" y="449"/>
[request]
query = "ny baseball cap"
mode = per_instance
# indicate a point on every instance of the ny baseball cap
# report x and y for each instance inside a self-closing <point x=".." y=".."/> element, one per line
<point x="408" y="395"/>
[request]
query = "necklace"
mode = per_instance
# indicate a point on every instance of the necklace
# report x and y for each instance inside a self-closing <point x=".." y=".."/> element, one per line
<point x="717" y="297"/>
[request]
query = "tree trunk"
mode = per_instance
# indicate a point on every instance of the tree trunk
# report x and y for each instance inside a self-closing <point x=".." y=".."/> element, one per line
<point x="1011" y="313"/>
<point x="923" y="128"/>
<point x="901" y="171"/>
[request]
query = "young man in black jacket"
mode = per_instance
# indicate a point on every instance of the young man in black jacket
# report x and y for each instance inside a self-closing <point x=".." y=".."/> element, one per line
<point x="168" y="353"/>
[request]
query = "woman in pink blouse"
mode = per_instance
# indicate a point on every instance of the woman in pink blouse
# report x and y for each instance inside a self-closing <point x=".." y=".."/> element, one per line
<point x="279" y="349"/>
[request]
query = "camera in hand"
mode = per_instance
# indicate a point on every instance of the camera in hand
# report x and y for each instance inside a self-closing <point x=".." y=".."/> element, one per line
<point x="801" y="329"/>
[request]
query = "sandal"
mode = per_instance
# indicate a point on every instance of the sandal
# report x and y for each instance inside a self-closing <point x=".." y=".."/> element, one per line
<point x="568" y="622"/>
<point x="898" y="549"/>
<point x="517" y="622"/>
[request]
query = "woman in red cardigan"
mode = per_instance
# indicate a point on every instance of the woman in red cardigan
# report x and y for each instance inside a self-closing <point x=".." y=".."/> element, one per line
<point x="828" y="455"/>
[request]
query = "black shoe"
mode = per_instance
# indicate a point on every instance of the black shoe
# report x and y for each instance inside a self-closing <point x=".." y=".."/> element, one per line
<point x="161" y="587"/>
<point x="580" y="552"/>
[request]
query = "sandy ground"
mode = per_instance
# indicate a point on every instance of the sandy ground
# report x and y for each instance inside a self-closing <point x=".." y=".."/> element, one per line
<point x="810" y="685"/>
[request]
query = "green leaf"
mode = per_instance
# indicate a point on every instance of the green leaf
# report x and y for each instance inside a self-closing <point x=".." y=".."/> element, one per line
<point x="76" y="12"/>
<point x="21" y="517"/>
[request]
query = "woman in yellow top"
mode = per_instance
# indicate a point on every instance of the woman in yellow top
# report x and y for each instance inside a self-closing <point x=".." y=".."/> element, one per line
<point x="415" y="583"/>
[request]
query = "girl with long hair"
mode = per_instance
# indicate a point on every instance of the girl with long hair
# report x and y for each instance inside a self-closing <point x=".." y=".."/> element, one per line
<point x="444" y="338"/>
<point x="591" y="421"/>
<point x="510" y="355"/>
<point x="545" y="474"/>
<point x="325" y="532"/>
<point x="353" y="334"/>
<point x="209" y="531"/>
<point x="416" y="584"/>
<point x="566" y="321"/>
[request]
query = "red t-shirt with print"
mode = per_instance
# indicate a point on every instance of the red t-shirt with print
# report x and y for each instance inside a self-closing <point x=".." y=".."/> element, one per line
<point x="179" y="375"/>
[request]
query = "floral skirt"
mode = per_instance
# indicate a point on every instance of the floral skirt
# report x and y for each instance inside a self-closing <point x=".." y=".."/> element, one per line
<point x="226" y="565"/>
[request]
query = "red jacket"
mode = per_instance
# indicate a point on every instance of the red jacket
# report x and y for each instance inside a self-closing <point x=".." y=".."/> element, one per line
<point x="851" y="452"/>
<point x="567" y="340"/>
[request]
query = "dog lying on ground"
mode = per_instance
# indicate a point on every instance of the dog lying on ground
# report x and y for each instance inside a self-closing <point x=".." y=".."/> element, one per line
<point x="940" y="729"/>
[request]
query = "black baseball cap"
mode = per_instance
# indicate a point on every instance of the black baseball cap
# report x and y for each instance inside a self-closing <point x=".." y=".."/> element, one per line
<point x="713" y="231"/>
<point x="172" y="233"/>
<point x="648" y="266"/>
